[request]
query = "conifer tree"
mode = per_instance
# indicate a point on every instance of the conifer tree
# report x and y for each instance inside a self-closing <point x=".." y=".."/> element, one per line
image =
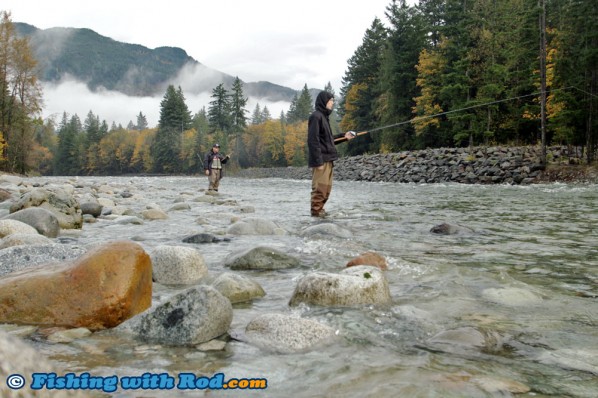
<point x="361" y="88"/>
<point x="266" y="114"/>
<point x="291" y="115"/>
<point x="407" y="37"/>
<point x="305" y="105"/>
<point x="70" y="153"/>
<point x="141" y="122"/>
<point x="256" y="117"/>
<point x="238" y="101"/>
<point x="219" y="111"/>
<point x="174" y="119"/>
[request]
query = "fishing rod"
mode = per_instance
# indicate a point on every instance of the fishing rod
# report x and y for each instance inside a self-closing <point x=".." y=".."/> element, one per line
<point x="418" y="118"/>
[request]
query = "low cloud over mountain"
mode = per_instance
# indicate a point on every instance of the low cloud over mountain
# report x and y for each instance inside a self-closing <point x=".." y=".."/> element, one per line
<point x="81" y="70"/>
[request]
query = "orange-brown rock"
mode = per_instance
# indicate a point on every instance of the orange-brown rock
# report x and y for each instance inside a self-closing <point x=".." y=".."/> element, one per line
<point x="98" y="290"/>
<point x="369" y="258"/>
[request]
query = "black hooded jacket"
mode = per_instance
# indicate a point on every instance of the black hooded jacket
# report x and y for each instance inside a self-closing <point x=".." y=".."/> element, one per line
<point x="320" y="141"/>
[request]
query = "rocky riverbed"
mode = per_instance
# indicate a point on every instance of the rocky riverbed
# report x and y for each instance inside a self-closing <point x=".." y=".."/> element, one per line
<point x="485" y="289"/>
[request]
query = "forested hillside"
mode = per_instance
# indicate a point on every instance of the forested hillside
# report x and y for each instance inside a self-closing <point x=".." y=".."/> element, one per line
<point x="132" y="69"/>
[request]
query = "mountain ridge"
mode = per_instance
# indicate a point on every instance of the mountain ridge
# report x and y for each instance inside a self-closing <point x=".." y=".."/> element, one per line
<point x="132" y="69"/>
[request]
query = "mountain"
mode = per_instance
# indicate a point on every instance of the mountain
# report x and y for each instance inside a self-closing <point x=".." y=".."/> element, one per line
<point x="132" y="69"/>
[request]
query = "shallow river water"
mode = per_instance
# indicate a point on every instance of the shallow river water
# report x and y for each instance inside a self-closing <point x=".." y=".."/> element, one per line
<point x="522" y="273"/>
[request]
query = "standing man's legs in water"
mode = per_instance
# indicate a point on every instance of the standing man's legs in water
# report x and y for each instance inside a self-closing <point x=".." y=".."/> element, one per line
<point x="321" y="186"/>
<point x="214" y="179"/>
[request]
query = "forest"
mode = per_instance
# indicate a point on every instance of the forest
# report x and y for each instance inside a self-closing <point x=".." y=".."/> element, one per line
<point x="436" y="74"/>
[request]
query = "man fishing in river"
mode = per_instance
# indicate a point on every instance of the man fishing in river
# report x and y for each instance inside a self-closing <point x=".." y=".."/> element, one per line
<point x="322" y="151"/>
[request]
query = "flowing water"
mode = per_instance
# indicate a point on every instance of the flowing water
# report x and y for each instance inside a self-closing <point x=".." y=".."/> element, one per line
<point x="522" y="273"/>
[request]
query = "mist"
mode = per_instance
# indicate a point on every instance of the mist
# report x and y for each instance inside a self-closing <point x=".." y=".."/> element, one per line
<point x="74" y="97"/>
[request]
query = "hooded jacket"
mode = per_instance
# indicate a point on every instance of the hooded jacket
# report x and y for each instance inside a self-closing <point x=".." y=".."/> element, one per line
<point x="320" y="141"/>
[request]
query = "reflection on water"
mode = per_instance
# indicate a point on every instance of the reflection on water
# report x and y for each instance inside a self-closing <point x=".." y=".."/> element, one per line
<point x="508" y="304"/>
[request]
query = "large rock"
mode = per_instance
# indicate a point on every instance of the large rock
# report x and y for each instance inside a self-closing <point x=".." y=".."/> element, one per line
<point x="24" y="240"/>
<point x="261" y="258"/>
<point x="93" y="208"/>
<point x="154" y="214"/>
<point x="57" y="200"/>
<point x="287" y="334"/>
<point x="356" y="285"/>
<point x="238" y="288"/>
<point x="9" y="227"/>
<point x="255" y="226"/>
<point x="191" y="317"/>
<point x="101" y="289"/>
<point x="17" y="258"/>
<point x="43" y="220"/>
<point x="177" y="265"/>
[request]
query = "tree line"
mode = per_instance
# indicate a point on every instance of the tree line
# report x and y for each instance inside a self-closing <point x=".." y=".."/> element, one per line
<point x="180" y="141"/>
<point x="442" y="73"/>
<point x="478" y="65"/>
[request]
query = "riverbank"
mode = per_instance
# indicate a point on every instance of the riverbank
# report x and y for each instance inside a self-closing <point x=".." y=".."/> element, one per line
<point x="480" y="165"/>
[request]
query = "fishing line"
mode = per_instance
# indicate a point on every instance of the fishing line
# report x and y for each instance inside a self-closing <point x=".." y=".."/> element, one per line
<point x="585" y="92"/>
<point x="418" y="118"/>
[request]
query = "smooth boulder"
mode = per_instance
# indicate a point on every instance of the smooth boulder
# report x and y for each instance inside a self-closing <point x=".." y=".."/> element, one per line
<point x="194" y="316"/>
<point x="238" y="288"/>
<point x="177" y="265"/>
<point x="99" y="290"/>
<point x="287" y="334"/>
<point x="9" y="227"/>
<point x="17" y="258"/>
<point x="43" y="220"/>
<point x="353" y="286"/>
<point x="261" y="258"/>
<point x="57" y="200"/>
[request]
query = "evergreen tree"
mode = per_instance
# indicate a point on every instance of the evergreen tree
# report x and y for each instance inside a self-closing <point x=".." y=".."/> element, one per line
<point x="174" y="119"/>
<point x="93" y="136"/>
<point x="576" y="69"/>
<point x="219" y="111"/>
<point x="266" y="114"/>
<point x="256" y="117"/>
<point x="361" y="90"/>
<point x="141" y="122"/>
<point x="334" y="118"/>
<point x="305" y="105"/>
<point x="92" y="128"/>
<point x="292" y="115"/>
<point x="237" y="104"/>
<point x="283" y="118"/>
<point x="68" y="159"/>
<point x="407" y="37"/>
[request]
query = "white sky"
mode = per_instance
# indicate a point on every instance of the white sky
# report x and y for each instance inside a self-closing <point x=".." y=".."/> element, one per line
<point x="287" y="43"/>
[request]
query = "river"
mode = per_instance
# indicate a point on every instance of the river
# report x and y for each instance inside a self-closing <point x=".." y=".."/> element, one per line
<point x="521" y="273"/>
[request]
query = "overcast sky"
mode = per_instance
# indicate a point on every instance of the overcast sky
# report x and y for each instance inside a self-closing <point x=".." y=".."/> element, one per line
<point x="286" y="43"/>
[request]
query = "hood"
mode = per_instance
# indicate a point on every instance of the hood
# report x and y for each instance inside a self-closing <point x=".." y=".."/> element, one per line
<point x="322" y="100"/>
